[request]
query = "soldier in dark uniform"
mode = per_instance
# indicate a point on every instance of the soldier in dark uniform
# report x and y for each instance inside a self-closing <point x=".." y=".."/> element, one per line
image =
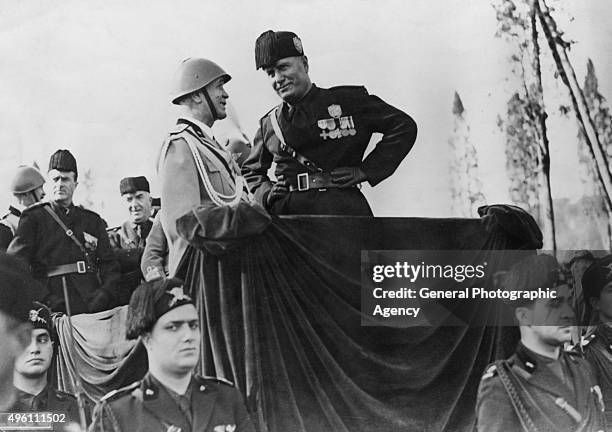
<point x="27" y="189"/>
<point x="61" y="241"/>
<point x="597" y="289"/>
<point x="17" y="292"/>
<point x="32" y="387"/>
<point x="128" y="240"/>
<point x="318" y="137"/>
<point x="541" y="387"/>
<point x="170" y="397"/>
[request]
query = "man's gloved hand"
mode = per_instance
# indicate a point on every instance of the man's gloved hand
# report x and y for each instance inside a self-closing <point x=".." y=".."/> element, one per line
<point x="348" y="176"/>
<point x="278" y="191"/>
<point x="100" y="301"/>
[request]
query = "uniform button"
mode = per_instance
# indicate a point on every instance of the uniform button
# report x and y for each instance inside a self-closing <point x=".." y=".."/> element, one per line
<point x="149" y="392"/>
<point x="202" y="388"/>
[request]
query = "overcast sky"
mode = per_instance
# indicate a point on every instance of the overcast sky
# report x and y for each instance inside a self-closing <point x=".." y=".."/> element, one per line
<point x="94" y="77"/>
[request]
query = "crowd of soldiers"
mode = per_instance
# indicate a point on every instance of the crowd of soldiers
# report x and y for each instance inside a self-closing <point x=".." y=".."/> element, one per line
<point x="62" y="258"/>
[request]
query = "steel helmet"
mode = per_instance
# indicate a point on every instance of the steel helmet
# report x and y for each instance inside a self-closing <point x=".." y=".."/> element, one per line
<point x="195" y="73"/>
<point x="26" y="180"/>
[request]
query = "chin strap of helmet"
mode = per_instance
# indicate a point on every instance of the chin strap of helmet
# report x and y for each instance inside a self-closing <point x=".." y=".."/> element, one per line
<point x="213" y="110"/>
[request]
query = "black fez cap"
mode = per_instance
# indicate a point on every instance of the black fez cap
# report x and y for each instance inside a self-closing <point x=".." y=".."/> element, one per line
<point x="17" y="288"/>
<point x="150" y="301"/>
<point x="62" y="160"/>
<point x="597" y="276"/>
<point x="133" y="184"/>
<point x="533" y="272"/>
<point x="40" y="317"/>
<point x="272" y="46"/>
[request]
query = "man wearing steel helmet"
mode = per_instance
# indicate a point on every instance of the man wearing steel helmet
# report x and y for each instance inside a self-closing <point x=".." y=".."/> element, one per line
<point x="191" y="155"/>
<point x="170" y="397"/>
<point x="317" y="137"/>
<point x="27" y="189"/>
<point x="541" y="387"/>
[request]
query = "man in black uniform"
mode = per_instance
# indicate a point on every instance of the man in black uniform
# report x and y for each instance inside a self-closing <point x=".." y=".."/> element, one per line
<point x="597" y="289"/>
<point x="63" y="242"/>
<point x="170" y="397"/>
<point x="17" y="292"/>
<point x="128" y="240"/>
<point x="27" y="189"/>
<point x="34" y="393"/>
<point x="318" y="137"/>
<point x="541" y="387"/>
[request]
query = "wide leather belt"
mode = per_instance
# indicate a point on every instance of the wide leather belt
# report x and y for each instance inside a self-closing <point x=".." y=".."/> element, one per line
<point x="309" y="181"/>
<point x="60" y="270"/>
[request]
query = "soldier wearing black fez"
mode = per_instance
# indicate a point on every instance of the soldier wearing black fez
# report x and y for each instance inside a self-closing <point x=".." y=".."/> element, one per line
<point x="32" y="387"/>
<point x="129" y="239"/>
<point x="597" y="289"/>
<point x="170" y="397"/>
<point x="27" y="189"/>
<point x="64" y="243"/>
<point x="541" y="387"/>
<point x="317" y="138"/>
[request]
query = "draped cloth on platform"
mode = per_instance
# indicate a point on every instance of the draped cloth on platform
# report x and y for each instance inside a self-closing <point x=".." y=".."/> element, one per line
<point x="281" y="318"/>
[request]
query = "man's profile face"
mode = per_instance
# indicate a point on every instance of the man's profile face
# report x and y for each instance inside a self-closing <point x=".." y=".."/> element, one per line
<point x="173" y="344"/>
<point x="139" y="205"/>
<point x="62" y="184"/>
<point x="14" y="337"/>
<point x="289" y="78"/>
<point x="218" y="96"/>
<point x="35" y="360"/>
<point x="552" y="319"/>
<point x="603" y="304"/>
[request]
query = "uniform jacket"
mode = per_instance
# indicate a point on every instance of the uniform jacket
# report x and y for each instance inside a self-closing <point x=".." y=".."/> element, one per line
<point x="49" y="400"/>
<point x="180" y="182"/>
<point x="128" y="246"/>
<point x="144" y="407"/>
<point x="154" y="263"/>
<point x="42" y="243"/>
<point x="598" y="352"/>
<point x="332" y="127"/>
<point x="550" y="403"/>
<point x="8" y="226"/>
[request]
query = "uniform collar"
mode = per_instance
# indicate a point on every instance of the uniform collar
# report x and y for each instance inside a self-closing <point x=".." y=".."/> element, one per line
<point x="533" y="360"/>
<point x="310" y="94"/>
<point x="203" y="126"/>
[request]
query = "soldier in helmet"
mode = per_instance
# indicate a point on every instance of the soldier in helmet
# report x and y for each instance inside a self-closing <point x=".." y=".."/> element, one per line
<point x="27" y="189"/>
<point x="317" y="138"/>
<point x="541" y="387"/>
<point x="32" y="387"/>
<point x="170" y="397"/>
<point x="67" y="244"/>
<point x="129" y="239"/>
<point x="191" y="155"/>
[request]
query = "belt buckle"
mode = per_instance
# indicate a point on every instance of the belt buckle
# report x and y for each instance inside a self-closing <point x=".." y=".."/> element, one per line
<point x="81" y="267"/>
<point x="302" y="182"/>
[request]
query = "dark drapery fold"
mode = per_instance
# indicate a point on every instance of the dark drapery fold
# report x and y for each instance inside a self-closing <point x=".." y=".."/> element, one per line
<point x="281" y="318"/>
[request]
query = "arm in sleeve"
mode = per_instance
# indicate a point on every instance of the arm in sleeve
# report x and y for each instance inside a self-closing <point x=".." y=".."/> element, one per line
<point x="5" y="237"/>
<point x="399" y="134"/>
<point x="494" y="410"/>
<point x="255" y="167"/>
<point x="108" y="267"/>
<point x="155" y="255"/>
<point x="22" y="245"/>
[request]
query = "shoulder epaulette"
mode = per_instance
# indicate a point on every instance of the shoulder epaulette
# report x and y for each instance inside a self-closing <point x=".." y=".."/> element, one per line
<point x="349" y="88"/>
<point x="218" y="379"/>
<point x="490" y="372"/>
<point x="36" y="206"/>
<point x="177" y="129"/>
<point x="119" y="392"/>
